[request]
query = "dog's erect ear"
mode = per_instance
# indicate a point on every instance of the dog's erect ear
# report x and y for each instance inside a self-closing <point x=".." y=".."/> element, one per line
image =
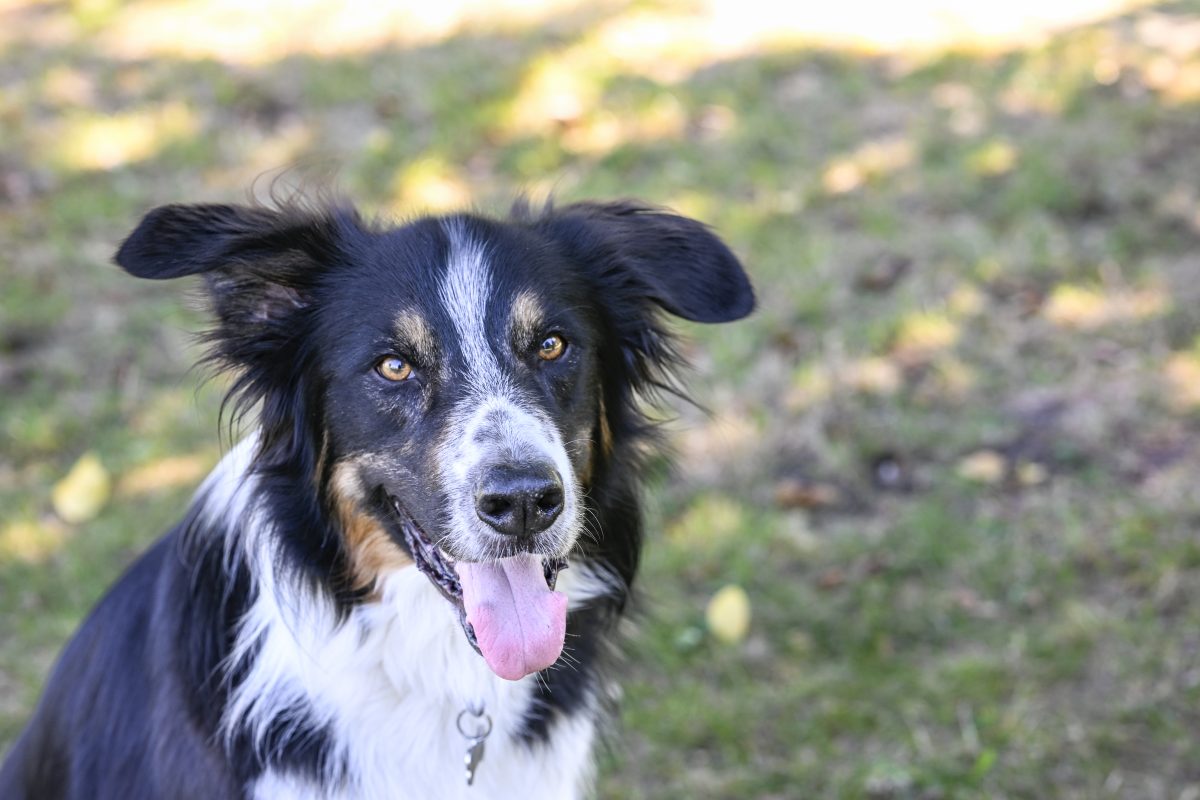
<point x="259" y="264"/>
<point x="675" y="261"/>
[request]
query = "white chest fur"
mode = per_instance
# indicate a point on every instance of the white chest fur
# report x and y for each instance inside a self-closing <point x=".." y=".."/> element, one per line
<point x="389" y="683"/>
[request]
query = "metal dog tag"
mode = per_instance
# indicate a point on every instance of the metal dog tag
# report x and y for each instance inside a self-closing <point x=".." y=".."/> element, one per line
<point x="473" y="757"/>
<point x="476" y="740"/>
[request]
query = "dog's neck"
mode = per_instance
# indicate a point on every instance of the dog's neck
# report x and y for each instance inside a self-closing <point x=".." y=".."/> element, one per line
<point x="381" y="686"/>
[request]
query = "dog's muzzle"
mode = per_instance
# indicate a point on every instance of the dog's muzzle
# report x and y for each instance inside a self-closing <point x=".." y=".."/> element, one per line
<point x="509" y="653"/>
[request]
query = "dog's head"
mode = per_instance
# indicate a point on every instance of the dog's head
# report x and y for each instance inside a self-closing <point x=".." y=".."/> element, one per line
<point x="450" y="390"/>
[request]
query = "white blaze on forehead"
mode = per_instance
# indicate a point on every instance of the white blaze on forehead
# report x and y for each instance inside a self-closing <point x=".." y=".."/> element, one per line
<point x="464" y="293"/>
<point x="494" y="422"/>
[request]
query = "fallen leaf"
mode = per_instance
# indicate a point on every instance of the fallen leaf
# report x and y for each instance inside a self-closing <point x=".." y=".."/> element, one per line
<point x="831" y="578"/>
<point x="793" y="493"/>
<point x="1031" y="473"/>
<point x="728" y="614"/>
<point x="983" y="466"/>
<point x="880" y="376"/>
<point x="83" y="491"/>
<point x="883" y="274"/>
<point x="922" y="335"/>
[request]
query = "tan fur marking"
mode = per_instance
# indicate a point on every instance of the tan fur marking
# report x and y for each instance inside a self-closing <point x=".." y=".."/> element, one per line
<point x="527" y="315"/>
<point x="600" y="435"/>
<point x="372" y="551"/>
<point x="414" y="331"/>
<point x="606" y="436"/>
<point x="583" y="454"/>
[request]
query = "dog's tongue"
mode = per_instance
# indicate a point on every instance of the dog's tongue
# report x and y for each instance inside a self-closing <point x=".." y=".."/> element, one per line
<point x="519" y="623"/>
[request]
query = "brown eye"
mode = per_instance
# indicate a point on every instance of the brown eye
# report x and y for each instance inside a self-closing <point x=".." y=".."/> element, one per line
<point x="394" y="368"/>
<point x="552" y="347"/>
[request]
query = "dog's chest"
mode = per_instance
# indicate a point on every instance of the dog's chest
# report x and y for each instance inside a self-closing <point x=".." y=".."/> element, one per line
<point x="389" y="687"/>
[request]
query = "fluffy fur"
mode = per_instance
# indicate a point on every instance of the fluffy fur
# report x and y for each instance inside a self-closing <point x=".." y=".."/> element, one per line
<point x="281" y="642"/>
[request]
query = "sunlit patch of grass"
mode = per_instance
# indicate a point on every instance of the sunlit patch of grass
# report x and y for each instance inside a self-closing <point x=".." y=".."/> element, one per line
<point x="811" y="385"/>
<point x="663" y="120"/>
<point x="268" y="31"/>
<point x="68" y="86"/>
<point x="170" y="472"/>
<point x="93" y="14"/>
<point x="1175" y="76"/>
<point x="1088" y="308"/>
<point x="993" y="158"/>
<point x="708" y="523"/>
<point x="430" y="184"/>
<point x="556" y="90"/>
<point x="873" y="160"/>
<point x="951" y="380"/>
<point x="693" y="203"/>
<point x="32" y="542"/>
<point x="723" y="433"/>
<point x="872" y="375"/>
<point x="966" y="301"/>
<point x="928" y="24"/>
<point x="923" y="334"/>
<point x="1182" y="374"/>
<point x="106" y="141"/>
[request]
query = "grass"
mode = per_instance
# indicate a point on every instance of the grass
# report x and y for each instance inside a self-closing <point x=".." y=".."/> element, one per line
<point x="952" y="460"/>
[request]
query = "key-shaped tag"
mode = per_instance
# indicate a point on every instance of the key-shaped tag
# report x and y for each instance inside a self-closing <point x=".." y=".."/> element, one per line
<point x="473" y="757"/>
<point x="475" y="739"/>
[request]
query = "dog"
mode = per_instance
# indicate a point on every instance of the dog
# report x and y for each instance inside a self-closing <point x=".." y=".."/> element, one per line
<point x="407" y="582"/>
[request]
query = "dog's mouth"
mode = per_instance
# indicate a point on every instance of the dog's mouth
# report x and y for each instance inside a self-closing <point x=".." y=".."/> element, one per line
<point x="508" y="608"/>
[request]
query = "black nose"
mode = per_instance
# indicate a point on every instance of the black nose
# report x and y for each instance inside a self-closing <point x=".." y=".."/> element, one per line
<point x="519" y="501"/>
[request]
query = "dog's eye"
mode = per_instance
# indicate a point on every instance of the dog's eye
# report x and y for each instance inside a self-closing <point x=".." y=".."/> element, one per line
<point x="394" y="368"/>
<point x="552" y="347"/>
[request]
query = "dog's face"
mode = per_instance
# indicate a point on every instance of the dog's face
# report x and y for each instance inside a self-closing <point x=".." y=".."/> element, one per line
<point x="447" y="391"/>
<point x="461" y="367"/>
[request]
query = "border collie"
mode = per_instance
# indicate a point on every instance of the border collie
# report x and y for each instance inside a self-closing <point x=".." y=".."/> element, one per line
<point x="407" y="582"/>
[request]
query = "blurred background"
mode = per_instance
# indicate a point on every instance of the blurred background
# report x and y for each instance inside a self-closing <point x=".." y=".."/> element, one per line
<point x="935" y="536"/>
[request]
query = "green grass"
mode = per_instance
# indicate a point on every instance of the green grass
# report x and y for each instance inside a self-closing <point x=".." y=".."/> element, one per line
<point x="925" y="632"/>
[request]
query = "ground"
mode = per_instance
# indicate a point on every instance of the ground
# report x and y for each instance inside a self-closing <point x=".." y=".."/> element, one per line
<point x="952" y="461"/>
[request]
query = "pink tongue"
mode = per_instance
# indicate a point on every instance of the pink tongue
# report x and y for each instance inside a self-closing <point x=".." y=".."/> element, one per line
<point x="519" y="623"/>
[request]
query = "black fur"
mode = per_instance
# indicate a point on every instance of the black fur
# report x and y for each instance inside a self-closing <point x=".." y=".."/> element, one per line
<point x="134" y="706"/>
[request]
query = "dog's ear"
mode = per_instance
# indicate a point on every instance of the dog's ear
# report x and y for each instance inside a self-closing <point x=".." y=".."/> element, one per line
<point x="674" y="261"/>
<point x="262" y="268"/>
<point x="259" y="264"/>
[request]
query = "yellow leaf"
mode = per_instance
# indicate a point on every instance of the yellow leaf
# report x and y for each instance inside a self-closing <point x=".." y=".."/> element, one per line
<point x="983" y="466"/>
<point x="80" y="495"/>
<point x="728" y="614"/>
<point x="994" y="158"/>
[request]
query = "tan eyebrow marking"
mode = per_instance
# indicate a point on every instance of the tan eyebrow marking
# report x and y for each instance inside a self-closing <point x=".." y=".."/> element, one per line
<point x="527" y="315"/>
<point x="414" y="331"/>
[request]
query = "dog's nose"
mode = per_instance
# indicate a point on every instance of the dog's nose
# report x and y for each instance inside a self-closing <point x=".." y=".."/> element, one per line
<point x="519" y="501"/>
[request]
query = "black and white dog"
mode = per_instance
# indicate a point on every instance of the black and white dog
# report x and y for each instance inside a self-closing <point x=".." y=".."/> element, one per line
<point x="421" y="556"/>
